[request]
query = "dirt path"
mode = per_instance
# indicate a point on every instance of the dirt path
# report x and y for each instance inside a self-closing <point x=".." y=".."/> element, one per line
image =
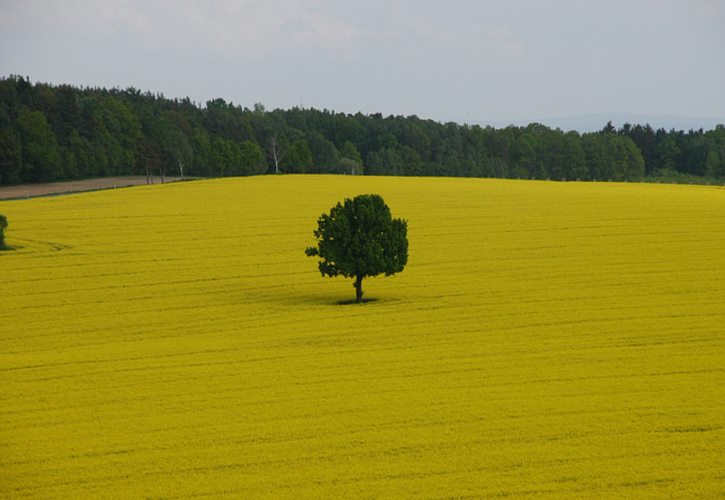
<point x="32" y="190"/>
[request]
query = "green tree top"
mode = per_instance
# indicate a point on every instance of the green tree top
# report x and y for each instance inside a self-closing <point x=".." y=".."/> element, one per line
<point x="359" y="238"/>
<point x="3" y="227"/>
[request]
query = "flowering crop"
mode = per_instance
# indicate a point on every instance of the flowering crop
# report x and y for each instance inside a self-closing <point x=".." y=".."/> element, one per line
<point x="545" y="339"/>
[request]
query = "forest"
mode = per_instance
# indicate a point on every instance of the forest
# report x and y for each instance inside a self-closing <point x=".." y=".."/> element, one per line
<point x="57" y="132"/>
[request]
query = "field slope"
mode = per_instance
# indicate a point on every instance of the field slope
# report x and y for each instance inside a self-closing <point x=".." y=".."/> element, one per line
<point x="554" y="339"/>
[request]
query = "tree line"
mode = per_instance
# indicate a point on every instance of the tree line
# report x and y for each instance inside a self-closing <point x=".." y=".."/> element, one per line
<point x="53" y="132"/>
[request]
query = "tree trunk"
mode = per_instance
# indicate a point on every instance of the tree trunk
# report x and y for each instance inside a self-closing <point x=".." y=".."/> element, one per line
<point x="358" y="289"/>
<point x="277" y="152"/>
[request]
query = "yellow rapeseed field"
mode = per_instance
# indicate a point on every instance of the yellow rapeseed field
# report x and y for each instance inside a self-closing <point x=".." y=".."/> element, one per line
<point x="546" y="339"/>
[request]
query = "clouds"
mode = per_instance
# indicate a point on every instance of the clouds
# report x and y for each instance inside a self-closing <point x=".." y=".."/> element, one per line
<point x="256" y="28"/>
<point x="250" y="27"/>
<point x="71" y="14"/>
<point x="454" y="60"/>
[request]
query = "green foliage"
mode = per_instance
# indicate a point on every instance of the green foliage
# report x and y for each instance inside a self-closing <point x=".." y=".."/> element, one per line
<point x="612" y="157"/>
<point x="11" y="159"/>
<point x="359" y="238"/>
<point x="3" y="227"/>
<point x="251" y="159"/>
<point x="298" y="158"/>
<point x="348" y="166"/>
<point x="349" y="151"/>
<point x="222" y="156"/>
<point x="712" y="164"/>
<point x="39" y="147"/>
<point x="54" y="132"/>
<point x="350" y="160"/>
<point x="666" y="176"/>
<point x="324" y="152"/>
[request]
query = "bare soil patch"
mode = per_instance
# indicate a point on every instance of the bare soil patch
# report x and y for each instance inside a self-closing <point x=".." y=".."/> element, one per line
<point x="52" y="188"/>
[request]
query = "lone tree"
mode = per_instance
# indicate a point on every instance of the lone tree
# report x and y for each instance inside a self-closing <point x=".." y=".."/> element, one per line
<point x="359" y="238"/>
<point x="3" y="227"/>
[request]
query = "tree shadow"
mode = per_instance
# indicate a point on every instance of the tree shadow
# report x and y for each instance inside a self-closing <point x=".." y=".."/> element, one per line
<point x="353" y="302"/>
<point x="327" y="299"/>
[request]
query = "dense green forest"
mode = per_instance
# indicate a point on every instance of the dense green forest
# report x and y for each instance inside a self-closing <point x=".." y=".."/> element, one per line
<point x="54" y="132"/>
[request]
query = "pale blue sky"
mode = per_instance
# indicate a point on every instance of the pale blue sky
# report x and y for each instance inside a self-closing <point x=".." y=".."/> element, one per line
<point x="446" y="60"/>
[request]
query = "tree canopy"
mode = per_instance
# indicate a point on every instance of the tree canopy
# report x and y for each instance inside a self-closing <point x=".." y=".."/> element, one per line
<point x="360" y="238"/>
<point x="3" y="227"/>
<point x="52" y="132"/>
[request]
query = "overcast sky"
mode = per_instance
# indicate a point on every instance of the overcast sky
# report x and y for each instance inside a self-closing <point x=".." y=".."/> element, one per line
<point x="455" y="60"/>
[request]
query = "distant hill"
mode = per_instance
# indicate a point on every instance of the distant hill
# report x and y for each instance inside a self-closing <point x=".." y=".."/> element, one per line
<point x="596" y="121"/>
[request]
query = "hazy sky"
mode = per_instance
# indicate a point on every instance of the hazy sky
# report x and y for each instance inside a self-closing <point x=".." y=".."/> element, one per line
<point x="447" y="60"/>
